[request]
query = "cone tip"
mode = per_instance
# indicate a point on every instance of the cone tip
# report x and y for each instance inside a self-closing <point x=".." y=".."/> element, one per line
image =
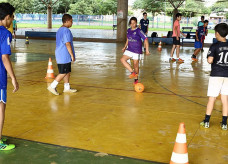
<point x="181" y="128"/>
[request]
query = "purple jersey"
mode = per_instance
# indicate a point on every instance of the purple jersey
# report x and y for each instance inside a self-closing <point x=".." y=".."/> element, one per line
<point x="134" y="40"/>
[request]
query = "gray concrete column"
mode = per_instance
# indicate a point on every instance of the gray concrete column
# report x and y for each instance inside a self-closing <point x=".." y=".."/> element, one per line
<point x="122" y="12"/>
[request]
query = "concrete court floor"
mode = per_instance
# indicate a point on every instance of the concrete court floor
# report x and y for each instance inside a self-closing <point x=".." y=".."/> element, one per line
<point x="106" y="115"/>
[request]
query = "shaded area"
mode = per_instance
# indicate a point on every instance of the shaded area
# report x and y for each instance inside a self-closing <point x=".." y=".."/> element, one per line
<point x="40" y="153"/>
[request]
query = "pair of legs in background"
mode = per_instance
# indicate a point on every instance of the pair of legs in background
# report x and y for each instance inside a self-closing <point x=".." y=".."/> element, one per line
<point x="216" y="86"/>
<point x="198" y="47"/>
<point x="130" y="55"/>
<point x="64" y="74"/>
<point x="176" y="46"/>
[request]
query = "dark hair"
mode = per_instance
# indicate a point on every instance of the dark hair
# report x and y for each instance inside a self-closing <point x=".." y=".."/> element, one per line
<point x="144" y="13"/>
<point x="202" y="17"/>
<point x="66" y="17"/>
<point x="133" y="18"/>
<point x="222" y="29"/>
<point x="178" y="15"/>
<point x="6" y="9"/>
<point x="206" y="21"/>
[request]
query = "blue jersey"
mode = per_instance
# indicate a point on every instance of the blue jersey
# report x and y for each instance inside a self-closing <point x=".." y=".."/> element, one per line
<point x="5" y="40"/>
<point x="201" y="33"/>
<point x="144" y="25"/>
<point x="63" y="36"/>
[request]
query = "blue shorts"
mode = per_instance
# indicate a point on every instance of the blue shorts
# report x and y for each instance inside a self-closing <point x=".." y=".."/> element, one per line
<point x="3" y="95"/>
<point x="198" y="44"/>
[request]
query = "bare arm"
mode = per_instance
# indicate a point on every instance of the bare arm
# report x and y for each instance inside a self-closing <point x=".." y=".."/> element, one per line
<point x="125" y="47"/>
<point x="197" y="36"/>
<point x="210" y="59"/>
<point x="70" y="50"/>
<point x="147" y="46"/>
<point x="7" y="63"/>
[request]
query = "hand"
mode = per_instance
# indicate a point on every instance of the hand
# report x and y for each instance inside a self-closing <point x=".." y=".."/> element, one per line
<point x="197" y="39"/>
<point x="147" y="52"/>
<point x="185" y="35"/>
<point x="177" y="38"/>
<point x="72" y="58"/>
<point x="15" y="84"/>
<point x="123" y="49"/>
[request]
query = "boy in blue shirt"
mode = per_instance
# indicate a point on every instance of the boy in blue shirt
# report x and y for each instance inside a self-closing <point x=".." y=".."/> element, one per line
<point x="65" y="54"/>
<point x="6" y="18"/>
<point x="201" y="32"/>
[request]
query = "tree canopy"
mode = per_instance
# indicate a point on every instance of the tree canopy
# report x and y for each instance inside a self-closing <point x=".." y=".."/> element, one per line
<point x="79" y="7"/>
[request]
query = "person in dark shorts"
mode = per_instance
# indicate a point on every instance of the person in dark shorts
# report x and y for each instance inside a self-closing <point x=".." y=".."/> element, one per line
<point x="65" y="54"/>
<point x="176" y="39"/>
<point x="218" y="82"/>
<point x="144" y="25"/>
<point x="200" y="35"/>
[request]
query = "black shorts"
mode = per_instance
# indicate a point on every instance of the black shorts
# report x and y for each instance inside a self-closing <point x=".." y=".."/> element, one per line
<point x="175" y="41"/>
<point x="64" y="68"/>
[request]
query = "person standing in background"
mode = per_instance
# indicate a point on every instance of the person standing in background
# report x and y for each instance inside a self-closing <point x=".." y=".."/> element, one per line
<point x="144" y="25"/>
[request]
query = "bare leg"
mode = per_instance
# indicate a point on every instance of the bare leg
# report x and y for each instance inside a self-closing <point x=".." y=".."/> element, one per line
<point x="196" y="52"/>
<point x="2" y="117"/>
<point x="60" y="77"/>
<point x="172" y="51"/>
<point x="66" y="79"/>
<point x="224" y="99"/>
<point x="125" y="63"/>
<point x="136" y="66"/>
<point x="210" y="105"/>
<point x="178" y="51"/>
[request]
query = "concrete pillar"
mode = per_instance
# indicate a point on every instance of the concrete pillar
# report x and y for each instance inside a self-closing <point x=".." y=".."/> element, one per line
<point x="49" y="16"/>
<point x="122" y="12"/>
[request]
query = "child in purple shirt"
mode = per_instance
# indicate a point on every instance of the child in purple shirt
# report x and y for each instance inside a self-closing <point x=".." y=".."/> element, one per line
<point x="133" y="48"/>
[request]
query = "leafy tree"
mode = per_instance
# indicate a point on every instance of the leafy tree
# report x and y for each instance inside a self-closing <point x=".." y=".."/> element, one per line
<point x="82" y="7"/>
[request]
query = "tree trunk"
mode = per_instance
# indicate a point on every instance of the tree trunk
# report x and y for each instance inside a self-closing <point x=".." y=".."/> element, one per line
<point x="122" y="12"/>
<point x="49" y="16"/>
<point x="175" y="11"/>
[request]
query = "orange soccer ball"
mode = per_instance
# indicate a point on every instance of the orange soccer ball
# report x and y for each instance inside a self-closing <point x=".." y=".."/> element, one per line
<point x="139" y="87"/>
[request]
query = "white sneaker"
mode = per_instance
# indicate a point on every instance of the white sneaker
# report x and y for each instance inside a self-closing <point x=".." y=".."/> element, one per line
<point x="70" y="90"/>
<point x="52" y="90"/>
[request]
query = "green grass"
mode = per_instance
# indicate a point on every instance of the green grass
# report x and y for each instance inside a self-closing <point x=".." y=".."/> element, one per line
<point x="24" y="25"/>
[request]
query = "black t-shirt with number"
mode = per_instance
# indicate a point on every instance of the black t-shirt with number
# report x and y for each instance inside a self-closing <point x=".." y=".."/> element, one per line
<point x="219" y="51"/>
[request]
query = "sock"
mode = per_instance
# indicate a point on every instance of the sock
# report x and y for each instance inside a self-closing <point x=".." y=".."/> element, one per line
<point x="54" y="84"/>
<point x="207" y="118"/>
<point x="66" y="86"/>
<point x="224" y="120"/>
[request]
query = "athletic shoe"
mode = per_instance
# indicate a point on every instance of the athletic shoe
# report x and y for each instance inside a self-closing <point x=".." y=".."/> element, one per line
<point x="172" y="60"/>
<point x="133" y="75"/>
<point x="194" y="58"/>
<point x="224" y="126"/>
<point x="136" y="82"/>
<point x="70" y="90"/>
<point x="205" y="124"/>
<point x="180" y="60"/>
<point x="52" y="90"/>
<point x="4" y="146"/>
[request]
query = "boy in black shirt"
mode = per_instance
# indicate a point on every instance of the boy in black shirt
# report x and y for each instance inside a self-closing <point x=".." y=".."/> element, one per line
<point x="218" y="82"/>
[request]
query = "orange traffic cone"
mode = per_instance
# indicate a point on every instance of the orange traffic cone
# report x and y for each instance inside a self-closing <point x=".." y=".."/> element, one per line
<point x="50" y="71"/>
<point x="180" y="152"/>
<point x="160" y="46"/>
